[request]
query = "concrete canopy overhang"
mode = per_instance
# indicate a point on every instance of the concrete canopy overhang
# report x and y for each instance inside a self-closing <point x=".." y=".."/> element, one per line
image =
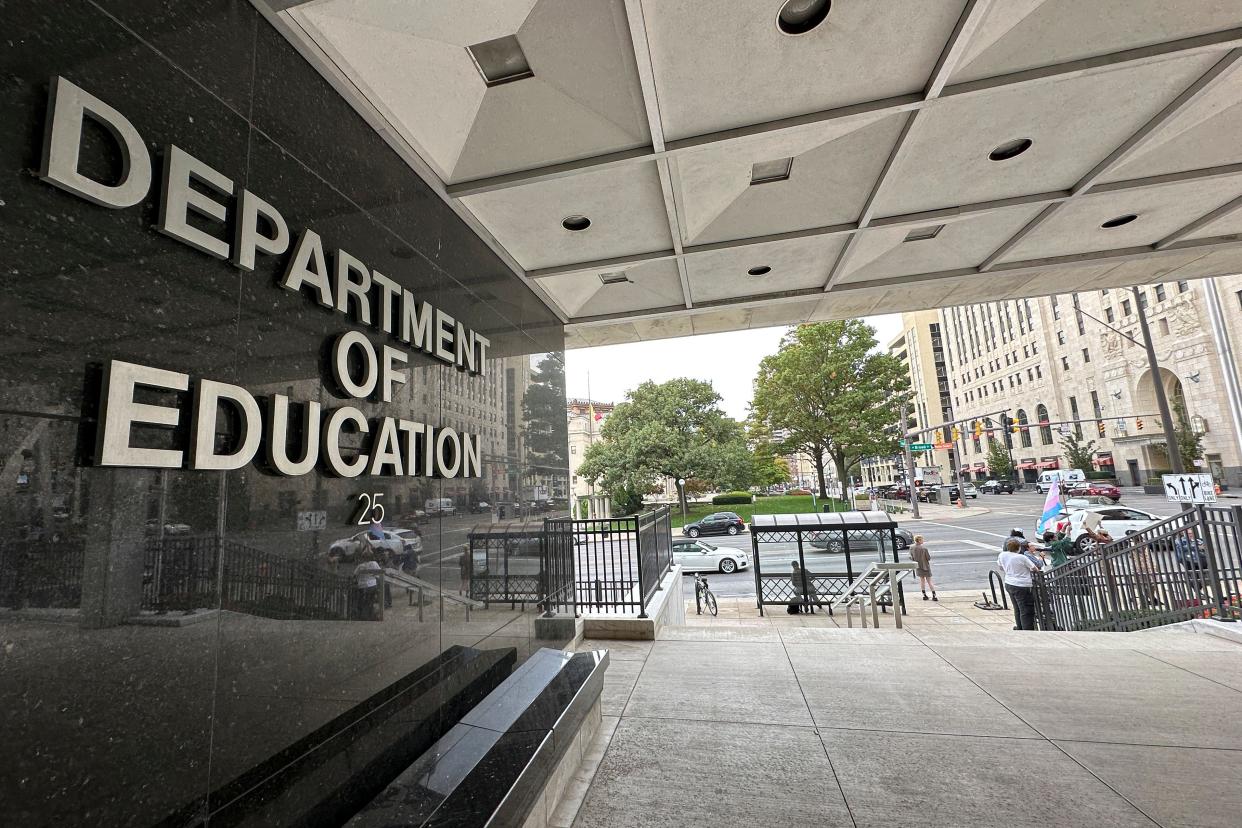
<point x="648" y="116"/>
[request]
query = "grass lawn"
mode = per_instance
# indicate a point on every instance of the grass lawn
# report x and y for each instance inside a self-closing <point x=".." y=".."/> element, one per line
<point x="781" y="505"/>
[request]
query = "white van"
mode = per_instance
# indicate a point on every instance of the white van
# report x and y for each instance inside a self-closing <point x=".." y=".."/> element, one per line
<point x="440" y="506"/>
<point x="1066" y="476"/>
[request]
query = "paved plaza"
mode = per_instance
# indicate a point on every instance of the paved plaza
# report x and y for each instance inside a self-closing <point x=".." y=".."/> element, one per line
<point x="955" y="720"/>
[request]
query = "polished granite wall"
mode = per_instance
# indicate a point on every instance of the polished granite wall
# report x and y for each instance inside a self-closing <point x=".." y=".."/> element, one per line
<point x="104" y="721"/>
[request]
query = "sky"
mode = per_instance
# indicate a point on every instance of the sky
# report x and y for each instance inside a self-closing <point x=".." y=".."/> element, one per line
<point x="729" y="361"/>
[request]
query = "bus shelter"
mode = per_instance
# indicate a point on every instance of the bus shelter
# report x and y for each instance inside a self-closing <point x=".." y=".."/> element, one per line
<point x="830" y="550"/>
<point x="506" y="562"/>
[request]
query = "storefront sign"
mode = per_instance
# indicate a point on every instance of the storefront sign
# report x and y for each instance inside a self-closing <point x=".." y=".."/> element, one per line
<point x="363" y="297"/>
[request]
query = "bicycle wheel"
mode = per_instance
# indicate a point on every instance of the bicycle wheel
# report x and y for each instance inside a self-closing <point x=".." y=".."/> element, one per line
<point x="709" y="601"/>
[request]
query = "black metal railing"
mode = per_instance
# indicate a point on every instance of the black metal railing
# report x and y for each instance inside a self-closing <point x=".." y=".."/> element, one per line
<point x="205" y="571"/>
<point x="563" y="565"/>
<point x="1187" y="566"/>
<point x="618" y="563"/>
<point x="41" y="574"/>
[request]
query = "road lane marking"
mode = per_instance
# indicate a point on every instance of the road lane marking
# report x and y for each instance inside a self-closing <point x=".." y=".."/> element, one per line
<point x="966" y="528"/>
<point x="989" y="546"/>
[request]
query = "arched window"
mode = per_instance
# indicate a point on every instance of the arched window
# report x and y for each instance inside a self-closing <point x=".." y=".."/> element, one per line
<point x="1024" y="433"/>
<point x="1045" y="430"/>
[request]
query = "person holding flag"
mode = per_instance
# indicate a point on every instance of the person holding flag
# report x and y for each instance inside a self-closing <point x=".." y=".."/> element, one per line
<point x="1052" y="507"/>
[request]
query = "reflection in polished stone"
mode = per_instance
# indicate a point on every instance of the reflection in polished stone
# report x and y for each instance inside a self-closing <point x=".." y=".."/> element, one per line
<point x="165" y="631"/>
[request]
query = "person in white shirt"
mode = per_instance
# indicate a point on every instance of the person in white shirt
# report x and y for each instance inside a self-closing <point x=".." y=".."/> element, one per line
<point x="366" y="576"/>
<point x="1018" y="568"/>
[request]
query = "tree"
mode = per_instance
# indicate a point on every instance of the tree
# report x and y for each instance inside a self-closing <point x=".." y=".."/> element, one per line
<point x="1189" y="443"/>
<point x="999" y="461"/>
<point x="834" y="397"/>
<point x="1077" y="453"/>
<point x="769" y="469"/>
<point x="543" y="410"/>
<point x="673" y="430"/>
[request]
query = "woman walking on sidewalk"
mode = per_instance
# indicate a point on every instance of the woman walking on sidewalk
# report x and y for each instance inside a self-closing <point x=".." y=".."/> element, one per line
<point x="920" y="555"/>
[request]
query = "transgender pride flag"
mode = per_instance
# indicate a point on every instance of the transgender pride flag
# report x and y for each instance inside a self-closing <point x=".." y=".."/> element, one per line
<point x="1052" y="506"/>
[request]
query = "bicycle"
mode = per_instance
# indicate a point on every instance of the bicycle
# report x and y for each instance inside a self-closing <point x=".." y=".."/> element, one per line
<point x="703" y="596"/>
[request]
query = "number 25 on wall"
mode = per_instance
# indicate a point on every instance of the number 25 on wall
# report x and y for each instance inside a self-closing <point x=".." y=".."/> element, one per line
<point x="370" y="509"/>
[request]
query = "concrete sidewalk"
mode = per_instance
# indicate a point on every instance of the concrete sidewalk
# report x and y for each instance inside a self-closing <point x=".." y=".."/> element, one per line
<point x="954" y="609"/>
<point x="784" y="724"/>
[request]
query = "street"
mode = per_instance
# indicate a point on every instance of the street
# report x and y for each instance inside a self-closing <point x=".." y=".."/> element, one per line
<point x="963" y="550"/>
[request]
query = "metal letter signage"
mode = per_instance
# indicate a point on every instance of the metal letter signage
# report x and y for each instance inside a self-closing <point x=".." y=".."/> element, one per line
<point x="359" y="368"/>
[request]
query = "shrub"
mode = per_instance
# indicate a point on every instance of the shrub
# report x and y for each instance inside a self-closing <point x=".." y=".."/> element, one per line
<point x="730" y="498"/>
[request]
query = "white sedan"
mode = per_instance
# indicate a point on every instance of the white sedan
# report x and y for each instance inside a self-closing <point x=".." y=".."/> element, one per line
<point x="701" y="556"/>
<point x="1117" y="521"/>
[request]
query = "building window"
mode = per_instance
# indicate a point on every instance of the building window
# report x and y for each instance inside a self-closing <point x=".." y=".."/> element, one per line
<point x="1126" y="308"/>
<point x="1045" y="431"/>
<point x="1164" y="327"/>
<point x="1034" y="348"/>
<point x="1038" y="372"/>
<point x="1086" y="355"/>
<point x="1109" y="315"/>
<point x="1065" y="363"/>
<point x="1060" y="337"/>
<point x="1240" y="298"/>
<point x="1025" y="433"/>
<point x="1182" y="287"/>
<point x="1142" y="294"/>
<point x="1161" y="295"/>
<point x="1074" y="416"/>
<point x="1056" y="309"/>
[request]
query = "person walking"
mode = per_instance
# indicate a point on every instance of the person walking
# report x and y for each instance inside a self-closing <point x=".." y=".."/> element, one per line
<point x="920" y="555"/>
<point x="1018" y="583"/>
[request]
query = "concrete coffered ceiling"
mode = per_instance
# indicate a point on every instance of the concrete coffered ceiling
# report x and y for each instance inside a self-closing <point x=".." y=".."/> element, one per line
<point x="648" y="118"/>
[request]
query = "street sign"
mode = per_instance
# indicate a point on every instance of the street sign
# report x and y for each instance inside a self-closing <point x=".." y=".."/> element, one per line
<point x="943" y="446"/>
<point x="921" y="447"/>
<point x="1189" y="488"/>
<point x="312" y="521"/>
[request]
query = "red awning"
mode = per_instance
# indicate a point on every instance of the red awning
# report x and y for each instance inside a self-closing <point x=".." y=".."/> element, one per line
<point x="980" y="467"/>
<point x="1050" y="464"/>
<point x="1026" y="466"/>
<point x="1104" y="461"/>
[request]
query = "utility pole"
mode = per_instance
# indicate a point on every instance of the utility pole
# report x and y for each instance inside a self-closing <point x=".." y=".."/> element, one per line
<point x="1162" y="400"/>
<point x="903" y="430"/>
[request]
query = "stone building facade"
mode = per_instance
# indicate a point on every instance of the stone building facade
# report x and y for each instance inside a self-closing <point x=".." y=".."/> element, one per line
<point x="1054" y="365"/>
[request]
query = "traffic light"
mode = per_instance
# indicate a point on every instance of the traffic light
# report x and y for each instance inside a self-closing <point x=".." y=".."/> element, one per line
<point x="978" y="429"/>
<point x="1100" y="425"/>
<point x="1138" y="423"/>
<point x="939" y="435"/>
<point x="1014" y="427"/>
<point x="957" y="434"/>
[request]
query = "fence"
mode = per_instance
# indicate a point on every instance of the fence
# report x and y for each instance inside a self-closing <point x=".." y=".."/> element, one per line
<point x="41" y="574"/>
<point x="202" y="571"/>
<point x="1187" y="566"/>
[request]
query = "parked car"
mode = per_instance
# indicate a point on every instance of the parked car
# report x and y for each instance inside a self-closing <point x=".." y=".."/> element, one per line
<point x="717" y="523"/>
<point x="971" y="491"/>
<point x="831" y="541"/>
<point x="997" y="487"/>
<point x="388" y="540"/>
<point x="440" y="506"/>
<point x="701" y="556"/>
<point x="1118" y="521"/>
<point x="153" y="528"/>
<point x="1094" y="488"/>
<point x="931" y="494"/>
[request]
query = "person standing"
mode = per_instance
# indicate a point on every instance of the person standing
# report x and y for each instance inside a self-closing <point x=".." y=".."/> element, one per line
<point x="920" y="555"/>
<point x="366" y="575"/>
<point x="1018" y="583"/>
<point x="799" y="589"/>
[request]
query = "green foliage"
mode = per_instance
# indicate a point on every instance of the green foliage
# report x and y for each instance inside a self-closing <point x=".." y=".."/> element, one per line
<point x="998" y="460"/>
<point x="835" y="396"/>
<point x="1188" y="443"/>
<point x="543" y="409"/>
<point x="733" y="497"/>
<point x="1077" y="453"/>
<point x="671" y="430"/>
<point x="769" y="469"/>
<point x="775" y="505"/>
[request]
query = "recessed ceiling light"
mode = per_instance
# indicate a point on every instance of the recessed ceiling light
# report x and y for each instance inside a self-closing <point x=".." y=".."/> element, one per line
<point x="1120" y="220"/>
<point x="924" y="233"/>
<point x="767" y="171"/>
<point x="576" y="223"/>
<point x="800" y="16"/>
<point x="501" y="60"/>
<point x="761" y="270"/>
<point x="1010" y="149"/>
<point x="614" y="278"/>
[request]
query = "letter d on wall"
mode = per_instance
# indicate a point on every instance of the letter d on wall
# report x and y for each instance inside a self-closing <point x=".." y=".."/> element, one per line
<point x="206" y="409"/>
<point x="67" y="106"/>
